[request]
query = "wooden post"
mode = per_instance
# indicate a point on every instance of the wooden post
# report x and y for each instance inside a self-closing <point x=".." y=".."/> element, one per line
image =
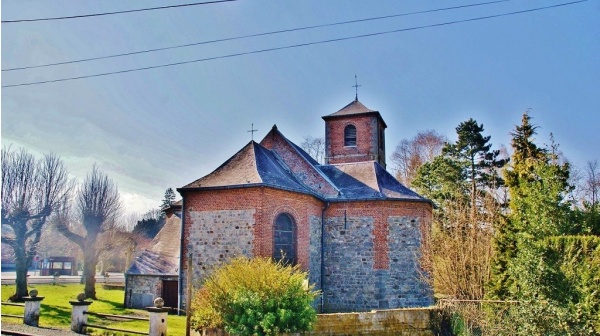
<point x="32" y="308"/>
<point x="188" y="295"/>
<point x="78" y="314"/>
<point x="158" y="318"/>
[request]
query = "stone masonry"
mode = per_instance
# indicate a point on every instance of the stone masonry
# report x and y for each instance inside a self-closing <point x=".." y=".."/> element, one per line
<point x="365" y="270"/>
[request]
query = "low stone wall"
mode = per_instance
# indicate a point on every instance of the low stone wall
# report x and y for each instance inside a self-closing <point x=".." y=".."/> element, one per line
<point x="411" y="321"/>
<point x="405" y="322"/>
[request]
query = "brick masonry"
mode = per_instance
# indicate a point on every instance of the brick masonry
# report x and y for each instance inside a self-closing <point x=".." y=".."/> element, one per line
<point x="371" y="248"/>
<point x="368" y="130"/>
<point x="213" y="236"/>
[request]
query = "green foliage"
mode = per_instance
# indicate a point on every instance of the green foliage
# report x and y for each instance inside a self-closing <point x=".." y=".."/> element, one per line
<point x="463" y="182"/>
<point x="558" y="280"/>
<point x="538" y="187"/>
<point x="442" y="181"/>
<point x="255" y="297"/>
<point x="464" y="172"/>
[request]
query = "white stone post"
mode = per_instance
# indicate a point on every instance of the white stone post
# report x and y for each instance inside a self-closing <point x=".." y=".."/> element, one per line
<point x="32" y="308"/>
<point x="78" y="314"/>
<point x="158" y="318"/>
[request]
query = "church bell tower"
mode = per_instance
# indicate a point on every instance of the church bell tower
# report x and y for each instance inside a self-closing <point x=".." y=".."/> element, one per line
<point x="354" y="134"/>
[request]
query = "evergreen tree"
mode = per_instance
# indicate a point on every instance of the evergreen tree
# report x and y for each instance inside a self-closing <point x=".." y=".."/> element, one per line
<point x="463" y="181"/>
<point x="480" y="162"/>
<point x="150" y="224"/>
<point x="168" y="200"/>
<point x="538" y="186"/>
<point x="465" y="171"/>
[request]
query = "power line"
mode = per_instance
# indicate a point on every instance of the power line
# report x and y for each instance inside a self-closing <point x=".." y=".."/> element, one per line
<point x="299" y="45"/>
<point x="253" y="35"/>
<point x="117" y="12"/>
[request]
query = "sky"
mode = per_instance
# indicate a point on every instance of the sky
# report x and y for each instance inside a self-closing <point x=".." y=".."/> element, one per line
<point x="165" y="127"/>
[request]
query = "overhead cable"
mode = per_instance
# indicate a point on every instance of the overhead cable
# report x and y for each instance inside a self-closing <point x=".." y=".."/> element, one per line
<point x="117" y="12"/>
<point x="251" y="35"/>
<point x="300" y="45"/>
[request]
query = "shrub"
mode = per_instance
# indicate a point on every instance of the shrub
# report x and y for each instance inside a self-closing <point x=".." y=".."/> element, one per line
<point x="255" y="297"/>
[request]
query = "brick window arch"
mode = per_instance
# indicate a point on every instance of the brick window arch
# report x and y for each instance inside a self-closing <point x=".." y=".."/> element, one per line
<point x="350" y="135"/>
<point x="284" y="239"/>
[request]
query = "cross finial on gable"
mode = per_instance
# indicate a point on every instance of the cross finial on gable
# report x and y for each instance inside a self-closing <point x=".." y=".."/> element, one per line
<point x="252" y="130"/>
<point x="355" y="86"/>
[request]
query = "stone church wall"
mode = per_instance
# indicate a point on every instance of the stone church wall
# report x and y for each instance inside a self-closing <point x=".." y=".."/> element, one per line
<point x="217" y="236"/>
<point x="371" y="256"/>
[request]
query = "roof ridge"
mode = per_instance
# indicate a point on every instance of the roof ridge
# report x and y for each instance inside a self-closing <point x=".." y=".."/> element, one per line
<point x="314" y="164"/>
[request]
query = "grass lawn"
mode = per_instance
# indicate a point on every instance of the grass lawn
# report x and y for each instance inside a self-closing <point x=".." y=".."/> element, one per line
<point x="56" y="311"/>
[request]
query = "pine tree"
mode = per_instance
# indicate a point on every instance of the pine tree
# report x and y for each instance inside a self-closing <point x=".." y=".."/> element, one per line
<point x="168" y="200"/>
<point x="463" y="182"/>
<point x="466" y="169"/>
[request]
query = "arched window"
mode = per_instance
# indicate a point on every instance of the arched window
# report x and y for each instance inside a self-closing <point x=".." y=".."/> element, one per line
<point x="350" y="135"/>
<point x="284" y="239"/>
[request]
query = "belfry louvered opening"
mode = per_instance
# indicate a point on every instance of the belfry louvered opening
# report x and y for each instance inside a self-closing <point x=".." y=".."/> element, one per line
<point x="350" y="135"/>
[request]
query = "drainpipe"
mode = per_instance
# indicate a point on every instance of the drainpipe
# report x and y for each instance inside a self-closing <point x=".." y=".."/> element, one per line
<point x="179" y="280"/>
<point x="322" y="280"/>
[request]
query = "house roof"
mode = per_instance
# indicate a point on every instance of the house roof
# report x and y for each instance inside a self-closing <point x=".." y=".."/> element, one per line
<point x="162" y="257"/>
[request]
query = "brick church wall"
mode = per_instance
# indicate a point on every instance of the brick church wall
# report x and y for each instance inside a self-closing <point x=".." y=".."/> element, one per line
<point x="371" y="256"/>
<point x="223" y="224"/>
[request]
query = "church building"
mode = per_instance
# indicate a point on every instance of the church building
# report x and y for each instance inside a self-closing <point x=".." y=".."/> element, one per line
<point x="348" y="222"/>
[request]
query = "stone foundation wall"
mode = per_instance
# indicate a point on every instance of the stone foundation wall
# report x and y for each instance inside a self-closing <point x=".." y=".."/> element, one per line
<point x="393" y="322"/>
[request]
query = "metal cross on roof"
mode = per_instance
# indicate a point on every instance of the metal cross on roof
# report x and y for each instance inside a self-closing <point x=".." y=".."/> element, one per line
<point x="252" y="130"/>
<point x="355" y="86"/>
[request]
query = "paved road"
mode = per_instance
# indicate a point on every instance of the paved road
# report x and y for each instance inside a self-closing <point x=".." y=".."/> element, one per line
<point x="8" y="278"/>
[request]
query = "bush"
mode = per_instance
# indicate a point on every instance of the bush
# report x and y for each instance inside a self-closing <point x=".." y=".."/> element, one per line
<point x="255" y="297"/>
<point x="558" y="280"/>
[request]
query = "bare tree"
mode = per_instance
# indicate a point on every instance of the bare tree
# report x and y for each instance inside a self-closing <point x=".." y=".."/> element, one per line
<point x="315" y="147"/>
<point x="456" y="251"/>
<point x="591" y="183"/>
<point x="97" y="209"/>
<point x="31" y="191"/>
<point x="411" y="154"/>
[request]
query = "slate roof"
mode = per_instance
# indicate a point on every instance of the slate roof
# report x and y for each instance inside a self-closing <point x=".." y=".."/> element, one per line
<point x="255" y="165"/>
<point x="162" y="257"/>
<point x="366" y="180"/>
<point x="354" y="108"/>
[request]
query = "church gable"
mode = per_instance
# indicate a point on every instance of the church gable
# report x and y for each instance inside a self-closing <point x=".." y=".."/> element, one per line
<point x="302" y="165"/>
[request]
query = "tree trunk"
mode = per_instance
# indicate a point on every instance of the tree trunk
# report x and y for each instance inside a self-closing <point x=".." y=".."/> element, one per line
<point x="90" y="260"/>
<point x="21" y="267"/>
